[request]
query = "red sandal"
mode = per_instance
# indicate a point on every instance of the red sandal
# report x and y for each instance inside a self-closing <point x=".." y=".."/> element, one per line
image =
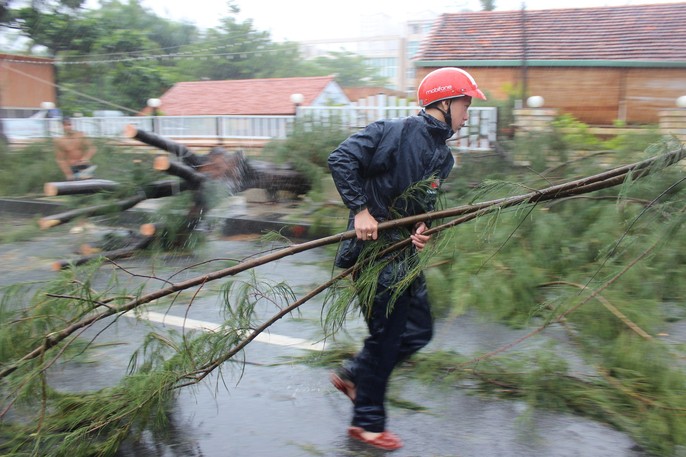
<point x="344" y="385"/>
<point x="387" y="441"/>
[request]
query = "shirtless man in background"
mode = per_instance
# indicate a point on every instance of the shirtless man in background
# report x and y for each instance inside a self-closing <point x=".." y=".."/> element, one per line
<point x="73" y="153"/>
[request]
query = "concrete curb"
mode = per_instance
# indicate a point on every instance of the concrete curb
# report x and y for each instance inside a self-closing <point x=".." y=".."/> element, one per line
<point x="26" y="207"/>
<point x="230" y="225"/>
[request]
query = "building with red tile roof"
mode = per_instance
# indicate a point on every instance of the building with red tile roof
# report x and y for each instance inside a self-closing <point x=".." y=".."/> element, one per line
<point x="600" y="64"/>
<point x="249" y="97"/>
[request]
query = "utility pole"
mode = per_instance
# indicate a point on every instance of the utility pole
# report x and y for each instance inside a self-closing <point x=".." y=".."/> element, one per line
<point x="525" y="52"/>
<point x="3" y="138"/>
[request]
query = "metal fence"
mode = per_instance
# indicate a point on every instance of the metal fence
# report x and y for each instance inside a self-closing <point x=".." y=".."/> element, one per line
<point x="479" y="134"/>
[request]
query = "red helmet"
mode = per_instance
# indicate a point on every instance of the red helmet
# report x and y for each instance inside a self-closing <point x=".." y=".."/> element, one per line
<point x="446" y="83"/>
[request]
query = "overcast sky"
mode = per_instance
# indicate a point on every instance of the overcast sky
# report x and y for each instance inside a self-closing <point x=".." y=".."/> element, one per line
<point x="303" y="20"/>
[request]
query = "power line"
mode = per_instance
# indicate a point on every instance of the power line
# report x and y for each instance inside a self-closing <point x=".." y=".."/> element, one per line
<point x="168" y="48"/>
<point x="181" y="55"/>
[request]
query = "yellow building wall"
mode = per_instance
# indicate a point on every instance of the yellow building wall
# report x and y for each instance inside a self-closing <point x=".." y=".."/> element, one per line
<point x="594" y="95"/>
<point x="26" y="82"/>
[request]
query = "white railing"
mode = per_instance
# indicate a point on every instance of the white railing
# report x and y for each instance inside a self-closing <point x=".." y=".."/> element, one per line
<point x="480" y="133"/>
<point x="354" y="117"/>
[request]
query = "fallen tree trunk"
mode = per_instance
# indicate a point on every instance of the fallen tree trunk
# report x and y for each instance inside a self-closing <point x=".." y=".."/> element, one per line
<point x="156" y="189"/>
<point x="466" y="213"/>
<point x="179" y="150"/>
<point x="273" y="178"/>
<point x="86" y="186"/>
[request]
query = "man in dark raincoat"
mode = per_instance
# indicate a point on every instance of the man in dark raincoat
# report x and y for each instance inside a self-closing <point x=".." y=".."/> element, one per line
<point x="373" y="170"/>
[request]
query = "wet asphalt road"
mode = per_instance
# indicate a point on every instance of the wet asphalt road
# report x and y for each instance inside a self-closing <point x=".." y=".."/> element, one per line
<point x="275" y="406"/>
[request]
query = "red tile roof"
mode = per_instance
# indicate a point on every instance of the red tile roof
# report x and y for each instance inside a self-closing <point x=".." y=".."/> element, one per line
<point x="241" y="97"/>
<point x="640" y="33"/>
<point x="23" y="58"/>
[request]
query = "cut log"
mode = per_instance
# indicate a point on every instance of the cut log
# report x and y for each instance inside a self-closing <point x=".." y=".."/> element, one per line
<point x="179" y="150"/>
<point x="86" y="186"/>
<point x="88" y="249"/>
<point x="188" y="174"/>
<point x="110" y="242"/>
<point x="124" y="252"/>
<point x="117" y="206"/>
<point x="149" y="229"/>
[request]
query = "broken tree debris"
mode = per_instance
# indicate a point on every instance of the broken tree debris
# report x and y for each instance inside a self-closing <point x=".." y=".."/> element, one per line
<point x="241" y="173"/>
<point x="108" y="250"/>
<point x="460" y="214"/>
<point x="193" y="170"/>
<point x="157" y="189"/>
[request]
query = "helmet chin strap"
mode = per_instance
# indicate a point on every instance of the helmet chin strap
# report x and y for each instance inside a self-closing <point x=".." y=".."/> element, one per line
<point x="448" y="118"/>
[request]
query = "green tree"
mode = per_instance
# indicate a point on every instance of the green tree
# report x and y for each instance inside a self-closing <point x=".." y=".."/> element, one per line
<point x="56" y="30"/>
<point x="10" y="10"/>
<point x="235" y="50"/>
<point x="487" y="5"/>
<point x="124" y="63"/>
<point x="129" y="80"/>
<point x="350" y="69"/>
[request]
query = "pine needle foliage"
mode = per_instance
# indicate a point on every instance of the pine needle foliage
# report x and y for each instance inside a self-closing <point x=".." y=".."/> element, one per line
<point x="95" y="422"/>
<point x="59" y="302"/>
<point x="25" y="170"/>
<point x="604" y="265"/>
<point x="379" y="257"/>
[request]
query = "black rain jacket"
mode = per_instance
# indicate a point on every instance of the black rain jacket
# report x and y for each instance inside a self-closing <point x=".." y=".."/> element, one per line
<point x="374" y="167"/>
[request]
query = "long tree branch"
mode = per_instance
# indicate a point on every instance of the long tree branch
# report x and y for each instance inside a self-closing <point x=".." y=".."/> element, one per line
<point x="205" y="370"/>
<point x="610" y="307"/>
<point x="466" y="213"/>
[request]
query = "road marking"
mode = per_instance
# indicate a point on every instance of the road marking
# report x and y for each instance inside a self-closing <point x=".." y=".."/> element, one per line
<point x="194" y="324"/>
